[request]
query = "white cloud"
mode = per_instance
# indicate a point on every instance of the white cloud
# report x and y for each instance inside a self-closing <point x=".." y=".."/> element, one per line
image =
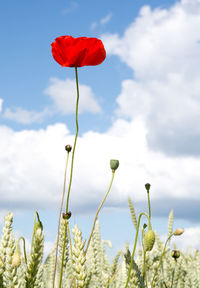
<point x="25" y="116"/>
<point x="1" y="104"/>
<point x="189" y="239"/>
<point x="162" y="48"/>
<point x="63" y="93"/>
<point x="32" y="164"/>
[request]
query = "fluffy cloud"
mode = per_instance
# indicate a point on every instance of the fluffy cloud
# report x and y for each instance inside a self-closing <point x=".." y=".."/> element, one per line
<point x="63" y="93"/>
<point x="162" y="48"/>
<point x="189" y="239"/>
<point x="23" y="116"/>
<point x="32" y="164"/>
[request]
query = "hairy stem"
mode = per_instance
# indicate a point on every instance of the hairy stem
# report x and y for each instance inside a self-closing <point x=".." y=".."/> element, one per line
<point x="95" y="219"/>
<point x="71" y="173"/>
<point x="74" y="146"/>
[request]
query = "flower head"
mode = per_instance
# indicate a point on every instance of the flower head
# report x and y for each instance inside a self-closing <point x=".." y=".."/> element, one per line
<point x="114" y="164"/>
<point x="78" y="52"/>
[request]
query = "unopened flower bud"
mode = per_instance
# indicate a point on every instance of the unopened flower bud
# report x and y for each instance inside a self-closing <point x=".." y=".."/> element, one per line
<point x="147" y="186"/>
<point x="67" y="215"/>
<point x="175" y="254"/>
<point x="114" y="164"/>
<point x="178" y="231"/>
<point x="16" y="260"/>
<point x="68" y="148"/>
<point x="149" y="240"/>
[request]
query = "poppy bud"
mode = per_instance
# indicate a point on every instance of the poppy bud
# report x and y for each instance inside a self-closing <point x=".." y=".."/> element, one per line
<point x="67" y="215"/>
<point x="68" y="148"/>
<point x="147" y="186"/>
<point x="178" y="231"/>
<point x="149" y="240"/>
<point x="16" y="260"/>
<point x="114" y="164"/>
<point x="175" y="254"/>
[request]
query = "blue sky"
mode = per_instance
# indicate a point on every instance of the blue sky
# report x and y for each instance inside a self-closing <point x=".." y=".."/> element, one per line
<point x="141" y="105"/>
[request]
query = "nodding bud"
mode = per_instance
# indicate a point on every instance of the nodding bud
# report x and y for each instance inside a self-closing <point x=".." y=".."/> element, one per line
<point x="16" y="260"/>
<point x="149" y="240"/>
<point x="147" y="186"/>
<point x="67" y="215"/>
<point x="114" y="164"/>
<point x="178" y="231"/>
<point x="68" y="148"/>
<point x="175" y="254"/>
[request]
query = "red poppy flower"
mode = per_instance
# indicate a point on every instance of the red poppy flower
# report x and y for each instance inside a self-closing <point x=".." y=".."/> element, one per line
<point x="78" y="52"/>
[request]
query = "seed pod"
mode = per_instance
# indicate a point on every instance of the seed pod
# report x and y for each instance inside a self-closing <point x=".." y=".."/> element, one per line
<point x="147" y="186"/>
<point x="114" y="164"/>
<point x="149" y="240"/>
<point x="68" y="148"/>
<point x="175" y="254"/>
<point x="67" y="215"/>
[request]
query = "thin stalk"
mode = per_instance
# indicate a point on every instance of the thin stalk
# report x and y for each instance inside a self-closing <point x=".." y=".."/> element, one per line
<point x="95" y="219"/>
<point x="74" y="146"/>
<point x="58" y="233"/>
<point x="132" y="257"/>
<point x="149" y="205"/>
<point x="173" y="277"/>
<point x="71" y="173"/>
<point x="144" y="273"/>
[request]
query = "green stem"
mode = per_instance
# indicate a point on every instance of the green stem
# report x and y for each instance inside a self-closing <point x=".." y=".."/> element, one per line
<point x="173" y="277"/>
<point x="132" y="257"/>
<point x="95" y="219"/>
<point x="58" y="233"/>
<point x="149" y="207"/>
<point x="71" y="173"/>
<point x="161" y="259"/>
<point x="144" y="274"/>
<point x="74" y="146"/>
